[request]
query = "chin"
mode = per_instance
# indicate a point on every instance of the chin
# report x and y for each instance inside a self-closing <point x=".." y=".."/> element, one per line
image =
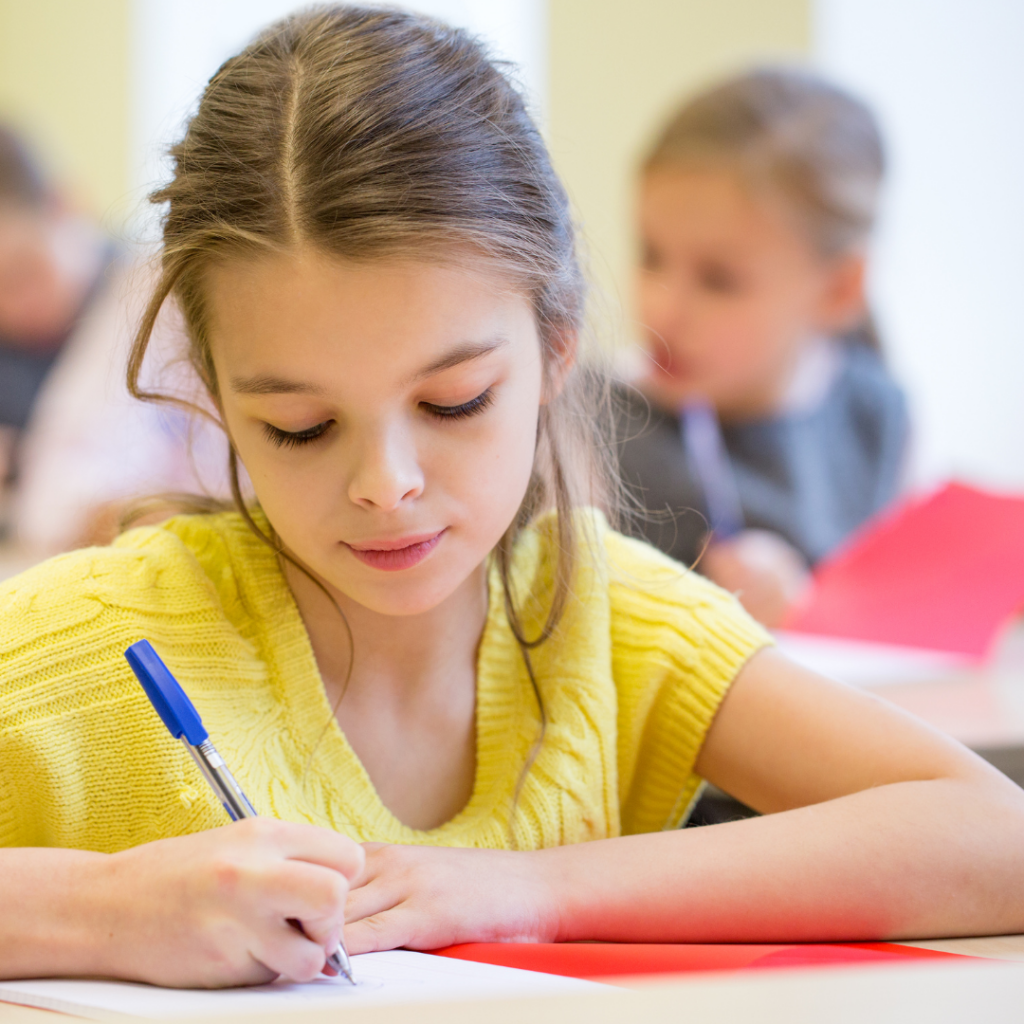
<point x="403" y="597"/>
<point x="401" y="605"/>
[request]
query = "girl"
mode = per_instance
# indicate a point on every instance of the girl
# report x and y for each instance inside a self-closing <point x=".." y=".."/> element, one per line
<point x="755" y="208"/>
<point x="79" y="447"/>
<point x="476" y="712"/>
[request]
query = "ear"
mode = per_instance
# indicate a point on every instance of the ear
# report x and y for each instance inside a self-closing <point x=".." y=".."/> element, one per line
<point x="843" y="299"/>
<point x="561" y="358"/>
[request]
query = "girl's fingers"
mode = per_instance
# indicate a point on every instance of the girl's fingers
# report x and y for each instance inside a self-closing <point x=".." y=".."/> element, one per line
<point x="308" y="843"/>
<point x="372" y="866"/>
<point x="386" y="930"/>
<point x="314" y="895"/>
<point x="368" y="900"/>
<point x="285" y="950"/>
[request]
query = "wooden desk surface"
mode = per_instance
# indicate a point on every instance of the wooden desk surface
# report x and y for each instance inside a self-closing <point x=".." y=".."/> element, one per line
<point x="938" y="992"/>
<point x="981" y="705"/>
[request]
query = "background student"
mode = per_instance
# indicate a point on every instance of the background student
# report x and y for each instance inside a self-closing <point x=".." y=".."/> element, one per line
<point x="421" y="639"/>
<point x="75" y="448"/>
<point x="764" y="400"/>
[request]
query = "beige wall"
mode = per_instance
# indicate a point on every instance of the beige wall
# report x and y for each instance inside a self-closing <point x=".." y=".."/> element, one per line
<point x="64" y="71"/>
<point x="617" y="68"/>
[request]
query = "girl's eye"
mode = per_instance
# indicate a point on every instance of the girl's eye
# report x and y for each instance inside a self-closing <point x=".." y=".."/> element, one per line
<point x="458" y="412"/>
<point x="293" y="439"/>
<point x="650" y="258"/>
<point x="716" y="278"/>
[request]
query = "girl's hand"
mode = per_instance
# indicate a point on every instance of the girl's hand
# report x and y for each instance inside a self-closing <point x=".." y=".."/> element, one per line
<point x="764" y="571"/>
<point x="212" y="909"/>
<point x="422" y="897"/>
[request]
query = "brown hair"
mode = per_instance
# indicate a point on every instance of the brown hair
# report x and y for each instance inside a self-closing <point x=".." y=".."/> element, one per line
<point x="372" y="133"/>
<point x="815" y="146"/>
<point x="22" y="181"/>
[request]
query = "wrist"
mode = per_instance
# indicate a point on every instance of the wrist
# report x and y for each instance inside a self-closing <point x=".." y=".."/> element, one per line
<point x="51" y="921"/>
<point x="562" y="908"/>
<point x="92" y="897"/>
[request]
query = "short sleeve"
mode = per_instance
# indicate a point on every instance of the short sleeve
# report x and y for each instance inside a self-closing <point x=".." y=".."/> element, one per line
<point x="72" y="715"/>
<point x="678" y="642"/>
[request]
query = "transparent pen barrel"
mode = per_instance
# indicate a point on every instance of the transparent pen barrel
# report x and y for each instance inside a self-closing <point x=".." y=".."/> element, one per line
<point x="235" y="802"/>
<point x="216" y="773"/>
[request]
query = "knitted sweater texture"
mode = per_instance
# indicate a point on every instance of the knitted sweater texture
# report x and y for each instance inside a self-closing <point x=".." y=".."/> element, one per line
<point x="630" y="683"/>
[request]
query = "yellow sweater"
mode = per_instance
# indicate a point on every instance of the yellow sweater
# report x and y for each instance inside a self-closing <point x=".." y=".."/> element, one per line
<point x="630" y="684"/>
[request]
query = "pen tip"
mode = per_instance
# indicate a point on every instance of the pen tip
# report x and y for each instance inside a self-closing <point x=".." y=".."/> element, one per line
<point x="341" y="963"/>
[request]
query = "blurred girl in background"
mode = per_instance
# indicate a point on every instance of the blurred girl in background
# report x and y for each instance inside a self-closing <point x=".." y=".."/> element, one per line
<point x="764" y="403"/>
<point x="76" y="449"/>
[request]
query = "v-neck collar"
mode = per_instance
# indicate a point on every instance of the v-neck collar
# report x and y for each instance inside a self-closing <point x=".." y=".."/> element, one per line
<point x="332" y="764"/>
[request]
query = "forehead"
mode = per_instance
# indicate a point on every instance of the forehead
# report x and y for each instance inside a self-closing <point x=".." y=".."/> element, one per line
<point x="312" y="311"/>
<point x="710" y="204"/>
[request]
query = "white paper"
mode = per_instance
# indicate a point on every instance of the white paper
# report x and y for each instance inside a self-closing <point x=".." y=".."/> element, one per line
<point x="398" y="976"/>
<point x="869" y="664"/>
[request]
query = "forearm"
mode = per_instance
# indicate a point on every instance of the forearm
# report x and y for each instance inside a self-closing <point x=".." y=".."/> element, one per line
<point x="52" y="912"/>
<point x="942" y="857"/>
<point x="207" y="909"/>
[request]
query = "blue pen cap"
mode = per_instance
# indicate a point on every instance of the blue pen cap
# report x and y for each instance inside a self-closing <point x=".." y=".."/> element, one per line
<point x="165" y="693"/>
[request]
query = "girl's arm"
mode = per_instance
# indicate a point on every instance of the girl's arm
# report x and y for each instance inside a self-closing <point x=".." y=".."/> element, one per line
<point x="875" y="826"/>
<point x="202" y="910"/>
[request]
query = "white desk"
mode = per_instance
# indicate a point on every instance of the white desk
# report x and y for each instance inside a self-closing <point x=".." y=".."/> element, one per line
<point x="940" y="992"/>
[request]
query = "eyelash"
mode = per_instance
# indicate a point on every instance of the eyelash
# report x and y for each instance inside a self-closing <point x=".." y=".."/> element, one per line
<point x="290" y="439"/>
<point x="459" y="412"/>
<point x="295" y="439"/>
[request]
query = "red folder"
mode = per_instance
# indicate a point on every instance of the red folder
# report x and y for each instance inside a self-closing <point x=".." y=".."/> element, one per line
<point x="944" y="572"/>
<point x="621" y="959"/>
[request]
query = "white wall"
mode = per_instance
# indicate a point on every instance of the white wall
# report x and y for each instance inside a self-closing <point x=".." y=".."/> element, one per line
<point x="178" y="44"/>
<point x="947" y="79"/>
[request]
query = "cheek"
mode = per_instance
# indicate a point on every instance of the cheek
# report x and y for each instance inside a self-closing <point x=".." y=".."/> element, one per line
<point x="279" y="474"/>
<point x="744" y="327"/>
<point x="488" y="473"/>
<point x="653" y="301"/>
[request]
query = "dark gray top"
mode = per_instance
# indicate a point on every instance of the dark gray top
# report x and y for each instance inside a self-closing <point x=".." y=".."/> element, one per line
<point x="812" y="477"/>
<point x="23" y="371"/>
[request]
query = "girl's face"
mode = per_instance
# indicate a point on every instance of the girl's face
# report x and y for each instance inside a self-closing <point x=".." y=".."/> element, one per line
<point x="47" y="261"/>
<point x="729" y="291"/>
<point x="386" y="413"/>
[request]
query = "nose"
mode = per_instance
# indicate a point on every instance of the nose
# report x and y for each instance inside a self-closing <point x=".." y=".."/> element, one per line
<point x="664" y="308"/>
<point x="386" y="471"/>
<point x="675" y="304"/>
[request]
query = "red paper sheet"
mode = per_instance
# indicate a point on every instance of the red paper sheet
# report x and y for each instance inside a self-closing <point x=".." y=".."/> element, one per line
<point x="612" y="959"/>
<point x="944" y="572"/>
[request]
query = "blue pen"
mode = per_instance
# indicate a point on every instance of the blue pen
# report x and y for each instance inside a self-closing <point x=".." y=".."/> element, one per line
<point x="183" y="722"/>
<point x="705" y="449"/>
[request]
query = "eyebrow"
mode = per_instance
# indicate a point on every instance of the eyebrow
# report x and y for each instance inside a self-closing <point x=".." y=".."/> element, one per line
<point x="458" y="355"/>
<point x="267" y="384"/>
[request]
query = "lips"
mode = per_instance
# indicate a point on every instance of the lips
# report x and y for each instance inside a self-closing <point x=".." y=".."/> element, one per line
<point x="396" y="554"/>
<point x="670" y="366"/>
